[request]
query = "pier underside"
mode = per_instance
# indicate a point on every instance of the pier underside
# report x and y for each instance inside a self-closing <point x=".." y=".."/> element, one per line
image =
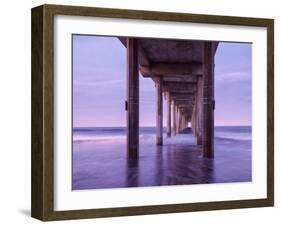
<point x="183" y="72"/>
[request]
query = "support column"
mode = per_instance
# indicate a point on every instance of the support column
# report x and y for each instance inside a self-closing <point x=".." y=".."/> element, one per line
<point x="194" y="116"/>
<point x="199" y="110"/>
<point x="174" y="119"/>
<point x="177" y="120"/>
<point x="132" y="98"/>
<point x="180" y="122"/>
<point x="168" y="114"/>
<point x="159" y="112"/>
<point x="184" y="122"/>
<point x="208" y="101"/>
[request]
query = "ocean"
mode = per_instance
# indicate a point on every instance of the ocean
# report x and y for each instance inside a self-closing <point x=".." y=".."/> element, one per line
<point x="99" y="158"/>
<point x="95" y="134"/>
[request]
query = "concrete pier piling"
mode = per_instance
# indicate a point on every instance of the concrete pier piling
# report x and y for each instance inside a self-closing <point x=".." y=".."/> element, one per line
<point x="132" y="98"/>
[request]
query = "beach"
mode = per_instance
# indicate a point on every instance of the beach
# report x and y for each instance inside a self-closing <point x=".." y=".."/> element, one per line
<point x="99" y="159"/>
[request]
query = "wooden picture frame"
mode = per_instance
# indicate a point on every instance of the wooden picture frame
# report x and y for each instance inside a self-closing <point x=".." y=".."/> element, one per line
<point x="43" y="112"/>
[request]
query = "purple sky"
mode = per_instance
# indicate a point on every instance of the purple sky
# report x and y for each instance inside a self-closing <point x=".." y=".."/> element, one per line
<point x="99" y="84"/>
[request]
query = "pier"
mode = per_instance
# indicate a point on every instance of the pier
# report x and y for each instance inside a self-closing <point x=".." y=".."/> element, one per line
<point x="183" y="72"/>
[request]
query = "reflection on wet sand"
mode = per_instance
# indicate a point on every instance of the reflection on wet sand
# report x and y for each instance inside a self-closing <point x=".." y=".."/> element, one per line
<point x="104" y="164"/>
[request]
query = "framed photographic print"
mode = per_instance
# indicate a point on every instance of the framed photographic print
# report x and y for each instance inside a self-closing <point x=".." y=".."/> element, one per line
<point x="141" y="112"/>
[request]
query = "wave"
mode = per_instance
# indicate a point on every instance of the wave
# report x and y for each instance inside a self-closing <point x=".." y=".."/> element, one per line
<point x="234" y="136"/>
<point x="83" y="138"/>
<point x="115" y="134"/>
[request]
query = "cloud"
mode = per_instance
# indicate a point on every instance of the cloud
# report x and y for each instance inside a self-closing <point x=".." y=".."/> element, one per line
<point x="102" y="83"/>
<point x="233" y="76"/>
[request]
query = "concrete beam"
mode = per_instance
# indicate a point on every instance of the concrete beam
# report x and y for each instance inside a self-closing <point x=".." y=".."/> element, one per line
<point x="184" y="105"/>
<point x="182" y="95"/>
<point x="175" y="78"/>
<point x="180" y="78"/>
<point x="177" y="86"/>
<point x="184" y="102"/>
<point x="184" y="92"/>
<point x="143" y="59"/>
<point x="186" y="99"/>
<point x="187" y="111"/>
<point x="162" y="69"/>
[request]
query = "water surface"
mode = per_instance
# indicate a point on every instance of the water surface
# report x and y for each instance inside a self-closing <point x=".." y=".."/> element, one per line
<point x="99" y="159"/>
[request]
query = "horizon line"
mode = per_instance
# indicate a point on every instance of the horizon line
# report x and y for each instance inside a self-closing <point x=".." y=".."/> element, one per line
<point x="141" y="126"/>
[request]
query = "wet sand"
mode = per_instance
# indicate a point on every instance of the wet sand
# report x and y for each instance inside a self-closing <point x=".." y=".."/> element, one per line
<point x="103" y="164"/>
